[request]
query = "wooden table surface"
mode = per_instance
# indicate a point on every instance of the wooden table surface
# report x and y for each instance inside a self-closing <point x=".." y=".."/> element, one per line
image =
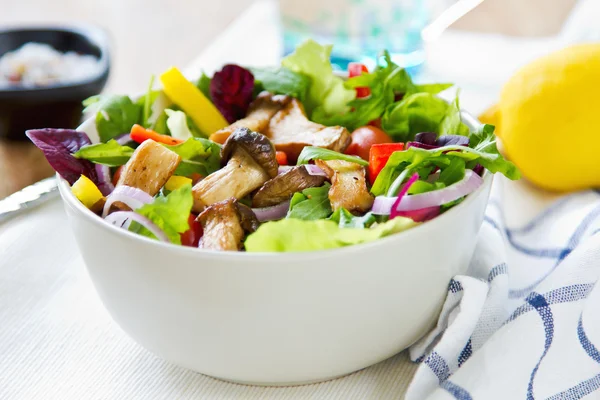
<point x="150" y="35"/>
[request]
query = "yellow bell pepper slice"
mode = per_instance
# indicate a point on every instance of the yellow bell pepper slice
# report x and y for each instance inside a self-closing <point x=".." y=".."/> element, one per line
<point x="86" y="191"/>
<point x="187" y="96"/>
<point x="175" y="182"/>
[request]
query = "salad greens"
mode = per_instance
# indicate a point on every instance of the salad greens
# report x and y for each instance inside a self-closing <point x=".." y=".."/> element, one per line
<point x="298" y="235"/>
<point x="170" y="213"/>
<point x="311" y="204"/>
<point x="414" y="159"/>
<point x="422" y="162"/>
<point x="281" y="80"/>
<point x="317" y="153"/>
<point x="327" y="91"/>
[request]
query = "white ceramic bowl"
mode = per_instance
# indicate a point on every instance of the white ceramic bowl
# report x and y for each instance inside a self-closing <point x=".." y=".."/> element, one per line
<point x="277" y="318"/>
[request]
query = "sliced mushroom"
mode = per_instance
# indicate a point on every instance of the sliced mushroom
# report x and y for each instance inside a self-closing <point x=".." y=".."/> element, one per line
<point x="250" y="161"/>
<point x="348" y="186"/>
<point x="260" y="112"/>
<point x="149" y="168"/>
<point x="225" y="225"/>
<point x="283" y="186"/>
<point x="290" y="131"/>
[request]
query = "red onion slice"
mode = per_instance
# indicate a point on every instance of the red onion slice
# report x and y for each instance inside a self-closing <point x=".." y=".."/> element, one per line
<point x="123" y="139"/>
<point x="133" y="197"/>
<point x="383" y="205"/>
<point x="124" y="218"/>
<point x="403" y="191"/>
<point x="315" y="170"/>
<point x="272" y="213"/>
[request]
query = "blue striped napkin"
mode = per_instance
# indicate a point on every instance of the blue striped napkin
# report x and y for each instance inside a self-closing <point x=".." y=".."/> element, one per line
<point x="524" y="322"/>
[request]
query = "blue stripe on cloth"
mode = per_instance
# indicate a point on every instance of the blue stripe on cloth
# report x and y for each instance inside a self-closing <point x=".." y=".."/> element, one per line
<point x="541" y="217"/>
<point x="465" y="353"/>
<point x="543" y="308"/>
<point x="572" y="244"/>
<point x="578" y="391"/>
<point x="456" y="391"/>
<point x="541" y="253"/>
<point x="455" y="286"/>
<point x="565" y="294"/>
<point x="438" y="366"/>
<point x="499" y="269"/>
<point x="587" y="345"/>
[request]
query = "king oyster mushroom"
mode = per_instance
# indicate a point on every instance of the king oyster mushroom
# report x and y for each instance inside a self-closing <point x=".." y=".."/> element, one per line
<point x="290" y="130"/>
<point x="225" y="225"/>
<point x="248" y="160"/>
<point x="283" y="186"/>
<point x="260" y="112"/>
<point x="149" y="168"/>
<point x="348" y="185"/>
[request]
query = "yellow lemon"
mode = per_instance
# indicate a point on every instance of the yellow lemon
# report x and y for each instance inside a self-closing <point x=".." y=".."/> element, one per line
<point x="549" y="119"/>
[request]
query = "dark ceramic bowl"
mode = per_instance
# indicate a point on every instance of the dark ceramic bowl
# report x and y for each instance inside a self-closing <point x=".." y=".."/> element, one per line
<point x="53" y="106"/>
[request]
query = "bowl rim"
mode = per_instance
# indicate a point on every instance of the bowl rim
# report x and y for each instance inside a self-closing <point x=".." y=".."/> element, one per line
<point x="96" y="35"/>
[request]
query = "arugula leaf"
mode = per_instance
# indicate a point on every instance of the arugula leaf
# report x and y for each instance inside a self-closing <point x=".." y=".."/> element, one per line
<point x="170" y="213"/>
<point x="311" y="204"/>
<point x="281" y="81"/>
<point x="384" y="82"/>
<point x="115" y="116"/>
<point x="177" y="124"/>
<point x="110" y="153"/>
<point x="433" y="88"/>
<point x="454" y="172"/>
<point x="452" y="123"/>
<point x="198" y="155"/>
<point x="402" y="163"/>
<point x="204" y="85"/>
<point x="296" y="235"/>
<point x="420" y="112"/>
<point x="423" y="187"/>
<point x="318" y="153"/>
<point x="147" y="103"/>
<point x="345" y="219"/>
<point x="484" y="139"/>
<point x="326" y="90"/>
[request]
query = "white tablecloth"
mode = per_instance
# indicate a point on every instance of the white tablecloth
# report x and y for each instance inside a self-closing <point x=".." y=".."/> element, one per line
<point x="57" y="341"/>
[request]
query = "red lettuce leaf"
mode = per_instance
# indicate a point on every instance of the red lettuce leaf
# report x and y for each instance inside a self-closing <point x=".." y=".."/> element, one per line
<point x="231" y="91"/>
<point x="58" y="145"/>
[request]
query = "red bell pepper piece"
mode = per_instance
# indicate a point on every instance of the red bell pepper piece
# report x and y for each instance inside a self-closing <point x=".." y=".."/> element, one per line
<point x="356" y="69"/>
<point x="378" y="157"/>
<point x="140" y="134"/>
<point x="281" y="158"/>
<point x="192" y="236"/>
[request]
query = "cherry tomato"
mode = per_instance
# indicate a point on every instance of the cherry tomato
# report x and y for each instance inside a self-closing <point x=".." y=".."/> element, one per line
<point x="195" y="177"/>
<point x="281" y="158"/>
<point x="117" y="175"/>
<point x="363" y="138"/>
<point x="192" y="236"/>
<point x="356" y="69"/>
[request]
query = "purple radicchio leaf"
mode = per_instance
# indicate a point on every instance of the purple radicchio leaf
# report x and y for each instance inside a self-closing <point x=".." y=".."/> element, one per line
<point x="452" y="140"/>
<point x="58" y="145"/>
<point x="231" y="91"/>
<point x="428" y="138"/>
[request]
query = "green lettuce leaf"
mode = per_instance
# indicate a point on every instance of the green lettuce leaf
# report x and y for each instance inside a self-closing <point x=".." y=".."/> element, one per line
<point x="177" y="124"/>
<point x="298" y="235"/>
<point x="170" y="213"/>
<point x="345" y="219"/>
<point x="452" y="123"/>
<point x="198" y="155"/>
<point x="204" y="85"/>
<point x="281" y="81"/>
<point x="326" y="89"/>
<point x="318" y="153"/>
<point x="110" y="153"/>
<point x="433" y="88"/>
<point x="115" y="115"/>
<point x="420" y="112"/>
<point x="311" y="204"/>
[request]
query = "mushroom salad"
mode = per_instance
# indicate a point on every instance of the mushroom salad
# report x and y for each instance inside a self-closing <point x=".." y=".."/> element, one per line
<point x="290" y="158"/>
